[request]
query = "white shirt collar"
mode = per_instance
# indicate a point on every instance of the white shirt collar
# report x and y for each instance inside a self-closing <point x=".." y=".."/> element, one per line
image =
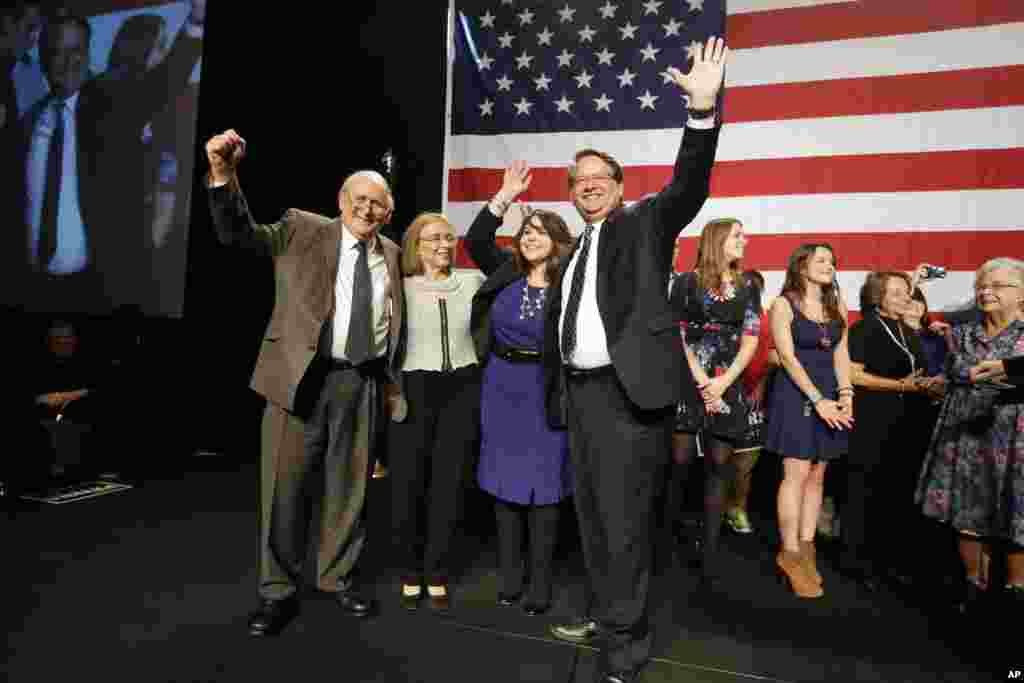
<point x="349" y="241"/>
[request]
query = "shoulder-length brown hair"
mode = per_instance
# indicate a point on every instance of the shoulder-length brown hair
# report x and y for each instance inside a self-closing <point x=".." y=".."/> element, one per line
<point x="412" y="264"/>
<point x="711" y="261"/>
<point x="873" y="290"/>
<point x="794" y="288"/>
<point x="562" y="242"/>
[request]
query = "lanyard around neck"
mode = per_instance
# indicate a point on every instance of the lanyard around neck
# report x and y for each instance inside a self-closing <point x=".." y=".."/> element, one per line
<point x="904" y="346"/>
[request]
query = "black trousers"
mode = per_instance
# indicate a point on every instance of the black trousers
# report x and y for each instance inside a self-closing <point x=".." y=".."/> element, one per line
<point x="429" y="458"/>
<point x="881" y="524"/>
<point x="617" y="452"/>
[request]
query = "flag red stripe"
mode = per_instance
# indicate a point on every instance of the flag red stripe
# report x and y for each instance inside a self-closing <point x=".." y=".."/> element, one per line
<point x="956" y="170"/>
<point x="959" y="250"/>
<point x="964" y="89"/>
<point x="864" y="19"/>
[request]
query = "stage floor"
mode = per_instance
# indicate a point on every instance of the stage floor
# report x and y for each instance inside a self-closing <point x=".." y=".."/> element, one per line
<point x="154" y="584"/>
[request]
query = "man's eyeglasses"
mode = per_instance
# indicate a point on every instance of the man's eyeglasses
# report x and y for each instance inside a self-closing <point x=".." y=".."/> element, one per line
<point x="583" y="179"/>
<point x="373" y="204"/>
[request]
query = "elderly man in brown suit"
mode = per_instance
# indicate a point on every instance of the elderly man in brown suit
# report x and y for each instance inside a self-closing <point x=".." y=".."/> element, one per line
<point x="325" y="356"/>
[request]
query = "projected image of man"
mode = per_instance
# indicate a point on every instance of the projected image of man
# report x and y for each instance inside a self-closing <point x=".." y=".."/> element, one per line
<point x="86" y="245"/>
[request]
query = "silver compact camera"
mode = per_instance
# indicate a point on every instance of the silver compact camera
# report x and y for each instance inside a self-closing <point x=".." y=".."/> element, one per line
<point x="934" y="272"/>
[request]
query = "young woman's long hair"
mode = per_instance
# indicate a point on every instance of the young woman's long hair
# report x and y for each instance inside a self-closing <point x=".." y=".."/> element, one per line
<point x="794" y="288"/>
<point x="711" y="260"/>
<point x="562" y="242"/>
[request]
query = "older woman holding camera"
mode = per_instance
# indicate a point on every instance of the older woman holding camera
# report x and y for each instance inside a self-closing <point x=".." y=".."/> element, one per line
<point x="973" y="474"/>
<point x="430" y="449"/>
<point x="888" y="365"/>
<point x="523" y="461"/>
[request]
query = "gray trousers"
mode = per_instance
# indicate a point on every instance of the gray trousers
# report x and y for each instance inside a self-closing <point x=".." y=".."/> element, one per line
<point x="324" y="457"/>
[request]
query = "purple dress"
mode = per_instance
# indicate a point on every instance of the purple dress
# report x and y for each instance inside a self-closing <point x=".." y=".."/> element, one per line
<point x="522" y="460"/>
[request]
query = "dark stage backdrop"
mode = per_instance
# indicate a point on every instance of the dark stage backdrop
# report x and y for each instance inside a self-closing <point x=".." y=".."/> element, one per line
<point x="318" y="92"/>
<point x="123" y="217"/>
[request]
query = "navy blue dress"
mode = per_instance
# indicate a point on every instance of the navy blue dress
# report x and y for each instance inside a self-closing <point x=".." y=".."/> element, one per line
<point x="522" y="460"/>
<point x="794" y="429"/>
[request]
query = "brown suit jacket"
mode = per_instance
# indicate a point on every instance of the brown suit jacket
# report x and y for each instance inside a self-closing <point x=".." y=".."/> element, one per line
<point x="304" y="247"/>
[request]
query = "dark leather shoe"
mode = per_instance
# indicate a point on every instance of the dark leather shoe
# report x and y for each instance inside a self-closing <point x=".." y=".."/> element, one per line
<point x="407" y="601"/>
<point x="581" y="632"/>
<point x="353" y="604"/>
<point x="509" y="599"/>
<point x="535" y="609"/>
<point x="439" y="603"/>
<point x="272" y="616"/>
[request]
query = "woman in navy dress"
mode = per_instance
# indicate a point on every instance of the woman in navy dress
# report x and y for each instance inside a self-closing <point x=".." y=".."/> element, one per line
<point x="523" y="461"/>
<point x="811" y="404"/>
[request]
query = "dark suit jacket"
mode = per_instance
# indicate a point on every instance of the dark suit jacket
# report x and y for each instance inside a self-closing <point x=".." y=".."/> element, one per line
<point x="633" y="263"/>
<point x="110" y="116"/>
<point x="304" y="247"/>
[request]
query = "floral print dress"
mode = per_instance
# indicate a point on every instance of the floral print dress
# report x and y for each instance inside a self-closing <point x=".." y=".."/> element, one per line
<point x="973" y="473"/>
<point x="713" y="324"/>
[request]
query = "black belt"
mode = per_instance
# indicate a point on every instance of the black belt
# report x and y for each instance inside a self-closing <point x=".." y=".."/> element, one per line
<point x="580" y="374"/>
<point x="372" y="366"/>
<point x="514" y="355"/>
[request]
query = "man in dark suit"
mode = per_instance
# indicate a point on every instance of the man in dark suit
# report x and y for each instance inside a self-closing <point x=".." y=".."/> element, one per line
<point x="79" y="240"/>
<point x="327" y="352"/>
<point x="612" y="342"/>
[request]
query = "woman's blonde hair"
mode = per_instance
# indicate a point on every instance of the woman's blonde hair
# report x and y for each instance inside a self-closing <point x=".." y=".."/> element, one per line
<point x="412" y="264"/>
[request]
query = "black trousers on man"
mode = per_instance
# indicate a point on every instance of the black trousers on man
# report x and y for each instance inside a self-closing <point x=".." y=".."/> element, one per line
<point x="617" y="451"/>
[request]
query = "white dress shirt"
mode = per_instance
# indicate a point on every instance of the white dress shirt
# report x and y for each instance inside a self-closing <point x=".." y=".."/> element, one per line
<point x="72" y="253"/>
<point x="343" y="286"/>
<point x="591" y="338"/>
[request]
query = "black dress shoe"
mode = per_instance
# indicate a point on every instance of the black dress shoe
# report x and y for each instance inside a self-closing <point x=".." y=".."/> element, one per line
<point x="535" y="609"/>
<point x="509" y="599"/>
<point x="272" y="616"/>
<point x="407" y="601"/>
<point x="353" y="604"/>
<point x="581" y="632"/>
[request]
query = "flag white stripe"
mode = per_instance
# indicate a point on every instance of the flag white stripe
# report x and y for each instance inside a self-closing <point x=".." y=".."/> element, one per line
<point x="966" y="48"/>
<point x="932" y="212"/>
<point x="745" y="6"/>
<point x="939" y="131"/>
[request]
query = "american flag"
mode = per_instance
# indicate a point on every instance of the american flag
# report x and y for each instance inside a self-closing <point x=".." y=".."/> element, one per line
<point x="890" y="128"/>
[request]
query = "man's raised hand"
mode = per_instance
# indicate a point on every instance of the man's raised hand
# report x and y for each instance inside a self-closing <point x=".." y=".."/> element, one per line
<point x="225" y="152"/>
<point x="705" y="78"/>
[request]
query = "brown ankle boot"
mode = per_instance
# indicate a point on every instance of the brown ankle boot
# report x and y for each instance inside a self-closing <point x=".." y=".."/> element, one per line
<point x="791" y="569"/>
<point x="809" y="557"/>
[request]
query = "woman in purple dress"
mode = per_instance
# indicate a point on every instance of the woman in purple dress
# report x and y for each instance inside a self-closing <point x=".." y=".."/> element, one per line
<point x="523" y="461"/>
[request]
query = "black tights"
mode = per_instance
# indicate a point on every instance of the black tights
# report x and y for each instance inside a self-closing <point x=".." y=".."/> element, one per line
<point x="720" y="474"/>
<point x="542" y="521"/>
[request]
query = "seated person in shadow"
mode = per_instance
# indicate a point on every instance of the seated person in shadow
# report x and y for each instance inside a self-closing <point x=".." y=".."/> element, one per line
<point x="66" y="403"/>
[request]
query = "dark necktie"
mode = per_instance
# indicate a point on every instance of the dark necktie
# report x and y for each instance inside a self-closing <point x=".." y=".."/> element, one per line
<point x="51" y="198"/>
<point x="572" y="308"/>
<point x="357" y="346"/>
